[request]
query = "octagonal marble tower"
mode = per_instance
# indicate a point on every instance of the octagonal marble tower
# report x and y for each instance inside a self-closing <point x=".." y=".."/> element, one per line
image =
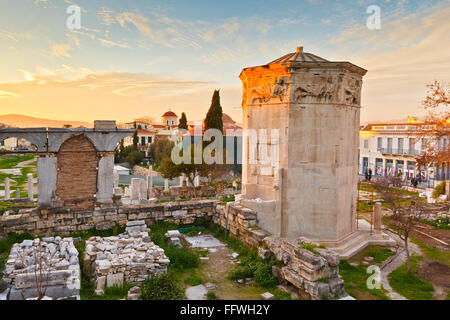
<point x="308" y="188"/>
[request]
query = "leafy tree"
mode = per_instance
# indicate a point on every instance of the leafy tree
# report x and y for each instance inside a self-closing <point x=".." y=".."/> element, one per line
<point x="170" y="170"/>
<point x="122" y="154"/>
<point x="183" y="122"/>
<point x="437" y="103"/>
<point x="214" y="116"/>
<point x="161" y="149"/>
<point x="135" y="157"/>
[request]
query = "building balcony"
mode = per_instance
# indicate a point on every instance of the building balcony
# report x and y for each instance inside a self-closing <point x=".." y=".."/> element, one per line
<point x="401" y="152"/>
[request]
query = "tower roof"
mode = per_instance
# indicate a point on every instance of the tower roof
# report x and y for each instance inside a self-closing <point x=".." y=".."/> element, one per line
<point x="299" y="56"/>
<point x="169" y="114"/>
<point x="227" y="119"/>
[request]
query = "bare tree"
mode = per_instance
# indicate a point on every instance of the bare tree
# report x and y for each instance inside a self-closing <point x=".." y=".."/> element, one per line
<point x="385" y="186"/>
<point x="405" y="219"/>
<point x="43" y="265"/>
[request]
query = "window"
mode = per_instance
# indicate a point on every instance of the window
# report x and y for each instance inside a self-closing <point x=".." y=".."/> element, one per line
<point x="2" y="143"/>
<point x="139" y="126"/>
<point x="423" y="143"/>
<point x="167" y="122"/>
<point x="366" y="143"/>
<point x="149" y="140"/>
<point x="400" y="145"/>
<point x="389" y="145"/>
<point x="379" y="143"/>
<point x="173" y="121"/>
<point x="143" y="140"/>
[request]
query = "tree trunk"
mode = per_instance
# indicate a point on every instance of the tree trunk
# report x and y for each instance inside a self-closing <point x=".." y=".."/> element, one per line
<point x="193" y="185"/>
<point x="407" y="253"/>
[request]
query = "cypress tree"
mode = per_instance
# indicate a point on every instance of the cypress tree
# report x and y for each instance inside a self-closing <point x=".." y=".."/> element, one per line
<point x="135" y="139"/>
<point x="214" y="116"/>
<point x="183" y="122"/>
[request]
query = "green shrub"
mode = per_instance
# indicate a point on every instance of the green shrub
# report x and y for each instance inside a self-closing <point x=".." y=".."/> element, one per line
<point x="134" y="158"/>
<point x="164" y="287"/>
<point x="281" y="295"/>
<point x="193" y="280"/>
<point x="181" y="258"/>
<point x="439" y="190"/>
<point x="255" y="267"/>
<point x="264" y="277"/>
<point x="211" y="295"/>
<point x="240" y="273"/>
<point x="7" y="243"/>
<point x="230" y="198"/>
<point x="116" y="292"/>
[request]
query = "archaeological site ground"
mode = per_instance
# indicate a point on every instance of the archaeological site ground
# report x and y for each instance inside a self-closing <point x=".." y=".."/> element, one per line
<point x="218" y="161"/>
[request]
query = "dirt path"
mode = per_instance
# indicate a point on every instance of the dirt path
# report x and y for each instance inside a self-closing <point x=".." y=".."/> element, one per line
<point x="216" y="269"/>
<point x="25" y="163"/>
<point x="399" y="259"/>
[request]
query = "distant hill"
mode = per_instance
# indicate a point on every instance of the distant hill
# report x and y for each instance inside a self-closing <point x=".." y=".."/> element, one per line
<point x="17" y="120"/>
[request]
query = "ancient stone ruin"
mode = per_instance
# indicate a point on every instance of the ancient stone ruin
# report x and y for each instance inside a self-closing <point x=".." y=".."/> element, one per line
<point x="48" y="266"/>
<point x="300" y="158"/>
<point x="75" y="165"/>
<point x="130" y="257"/>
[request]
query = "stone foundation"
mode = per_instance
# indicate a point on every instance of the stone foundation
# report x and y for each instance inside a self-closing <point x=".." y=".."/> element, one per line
<point x="302" y="268"/>
<point x="240" y="222"/>
<point x="63" y="221"/>
<point x="59" y="277"/>
<point x="316" y="273"/>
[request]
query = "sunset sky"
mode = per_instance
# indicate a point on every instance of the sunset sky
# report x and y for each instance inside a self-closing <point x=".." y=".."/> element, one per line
<point x="140" y="58"/>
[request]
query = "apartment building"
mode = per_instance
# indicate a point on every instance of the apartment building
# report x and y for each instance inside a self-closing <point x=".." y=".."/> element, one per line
<point x="391" y="149"/>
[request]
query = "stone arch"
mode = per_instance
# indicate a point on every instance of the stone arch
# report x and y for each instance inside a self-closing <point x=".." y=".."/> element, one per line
<point x="77" y="172"/>
<point x="31" y="143"/>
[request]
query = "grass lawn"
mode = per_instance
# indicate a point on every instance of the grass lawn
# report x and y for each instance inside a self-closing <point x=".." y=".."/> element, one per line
<point x="10" y="162"/>
<point x="6" y="245"/>
<point x="356" y="282"/>
<point x="378" y="253"/>
<point x="409" y="284"/>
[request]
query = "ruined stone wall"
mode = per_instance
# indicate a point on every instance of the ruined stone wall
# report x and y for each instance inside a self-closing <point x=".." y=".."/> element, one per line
<point x="182" y="192"/>
<point x="240" y="222"/>
<point x="77" y="173"/>
<point x="64" y="221"/>
<point x="306" y="266"/>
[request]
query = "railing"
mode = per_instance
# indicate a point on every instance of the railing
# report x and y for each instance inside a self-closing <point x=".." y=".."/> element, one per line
<point x="404" y="152"/>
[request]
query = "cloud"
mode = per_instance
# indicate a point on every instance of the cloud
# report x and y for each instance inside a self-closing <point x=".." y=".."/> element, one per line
<point x="402" y="57"/>
<point x="92" y="94"/>
<point x="60" y="50"/>
<point x="6" y="94"/>
<point x="109" y="43"/>
<point x="14" y="36"/>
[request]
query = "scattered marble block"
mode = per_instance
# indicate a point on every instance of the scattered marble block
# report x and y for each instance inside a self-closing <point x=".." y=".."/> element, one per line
<point x="210" y="286"/>
<point x="196" y="293"/>
<point x="58" y="259"/>
<point x="134" y="294"/>
<point x="267" y="296"/>
<point x="131" y="258"/>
